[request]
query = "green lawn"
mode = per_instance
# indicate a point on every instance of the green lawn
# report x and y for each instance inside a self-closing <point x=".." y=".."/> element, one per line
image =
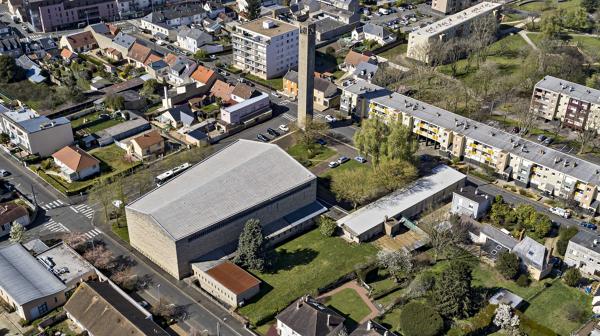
<point x="310" y="157"/>
<point x="391" y="319"/>
<point x="90" y="119"/>
<point x="540" y="6"/>
<point x="103" y="125"/>
<point x="587" y="44"/>
<point x="121" y="231"/>
<point x="300" y="267"/>
<point x="274" y="83"/>
<point x="113" y="157"/>
<point x="352" y="164"/>
<point x="395" y="52"/>
<point x="547" y="308"/>
<point x="350" y="305"/>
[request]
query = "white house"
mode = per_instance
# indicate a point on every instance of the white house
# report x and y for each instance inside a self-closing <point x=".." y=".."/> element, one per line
<point x="75" y="164"/>
<point x="373" y="32"/>
<point x="11" y="213"/>
<point x="471" y="202"/>
<point x="193" y="38"/>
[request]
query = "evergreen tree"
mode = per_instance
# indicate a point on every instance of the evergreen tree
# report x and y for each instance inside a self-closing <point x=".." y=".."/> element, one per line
<point x="508" y="265"/>
<point x="9" y="70"/>
<point x="250" y="252"/>
<point x="253" y="9"/>
<point x="452" y="294"/>
<point x="17" y="233"/>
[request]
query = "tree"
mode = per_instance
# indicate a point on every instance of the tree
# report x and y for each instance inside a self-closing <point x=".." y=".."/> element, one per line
<point x="164" y="309"/>
<point x="370" y="138"/>
<point x="149" y="87"/>
<point x="10" y="72"/>
<point x="400" y="143"/>
<point x="572" y="277"/>
<point x="443" y="239"/>
<point x="77" y="241"/>
<point x="590" y="5"/>
<point x="564" y="236"/>
<point x="507" y="264"/>
<point x="103" y="193"/>
<point x="584" y="138"/>
<point x="99" y="256"/>
<point x="345" y="187"/>
<point x="17" y="233"/>
<point x="483" y="33"/>
<point x="418" y="319"/>
<point x="253" y="9"/>
<point x="452" y="293"/>
<point x="327" y="226"/>
<point x="311" y="132"/>
<point x="551" y="24"/>
<point x="143" y="181"/>
<point x="420" y="285"/>
<point x="251" y="246"/>
<point x="398" y="263"/>
<point x="200" y="55"/>
<point x="114" y="102"/>
<point x="124" y="278"/>
<point x="523" y="280"/>
<point x="506" y="320"/>
<point x="4" y="138"/>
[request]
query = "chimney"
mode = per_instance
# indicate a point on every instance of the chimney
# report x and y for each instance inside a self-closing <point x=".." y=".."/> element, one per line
<point x="369" y="325"/>
<point x="461" y="189"/>
<point x="328" y="319"/>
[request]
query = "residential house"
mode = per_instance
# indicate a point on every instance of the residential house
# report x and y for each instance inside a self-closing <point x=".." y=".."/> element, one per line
<point x="67" y="54"/>
<point x="275" y="41"/>
<point x="100" y="308"/>
<point x="242" y="92"/>
<point x="532" y="255"/>
<point x="221" y="91"/>
<point x="575" y="105"/>
<point x="309" y="317"/>
<point x="76" y="164"/>
<point x="27" y="285"/>
<point x="112" y="54"/>
<point x="353" y="59"/>
<point x="162" y="23"/>
<point x="204" y="76"/>
<point x="181" y="69"/>
<point x="11" y="213"/>
<point x="444" y="30"/>
<point x="147" y="145"/>
<point x="11" y="46"/>
<point x="33" y="133"/>
<point x="138" y="54"/>
<point x="469" y="201"/>
<point x="103" y="34"/>
<point x="226" y="281"/>
<point x="180" y="223"/>
<point x="248" y="108"/>
<point x="124" y="130"/>
<point x="373" y="32"/>
<point x="326" y="94"/>
<point x="79" y="42"/>
<point x="123" y="42"/>
<point x="583" y="252"/>
<point x="192" y="38"/>
<point x="365" y="71"/>
<point x="178" y="116"/>
<point x="371" y="328"/>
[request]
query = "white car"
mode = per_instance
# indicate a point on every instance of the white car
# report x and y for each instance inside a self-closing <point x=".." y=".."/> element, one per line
<point x="333" y="164"/>
<point x="4" y="173"/>
<point x="284" y="128"/>
<point x="560" y="212"/>
<point x="330" y="118"/>
<point x="275" y="94"/>
<point x="212" y="57"/>
<point x="117" y="203"/>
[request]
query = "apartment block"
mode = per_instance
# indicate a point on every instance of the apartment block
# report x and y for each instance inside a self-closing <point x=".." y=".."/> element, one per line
<point x="575" y="105"/>
<point x="163" y="22"/>
<point x="451" y="6"/>
<point x="528" y="163"/>
<point x="53" y="15"/>
<point x="583" y="252"/>
<point x="453" y="26"/>
<point x="265" y="47"/>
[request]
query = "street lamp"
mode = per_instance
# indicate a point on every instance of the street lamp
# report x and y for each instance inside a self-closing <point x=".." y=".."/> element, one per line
<point x="158" y="288"/>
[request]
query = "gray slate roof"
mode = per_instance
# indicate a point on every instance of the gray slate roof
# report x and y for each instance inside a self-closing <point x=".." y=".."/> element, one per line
<point x="376" y="30"/>
<point x="38" y="123"/>
<point x="124" y="40"/>
<point x="531" y="252"/>
<point x="195" y="34"/>
<point x="565" y="87"/>
<point x="240" y="176"/>
<point x="499" y="237"/>
<point x="542" y="155"/>
<point x="308" y="317"/>
<point x="24" y="278"/>
<point x="586" y="239"/>
<point x="174" y="13"/>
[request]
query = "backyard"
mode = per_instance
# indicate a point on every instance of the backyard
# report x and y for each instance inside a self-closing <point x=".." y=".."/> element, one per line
<point x="93" y="123"/>
<point x="350" y="305"/>
<point x="395" y="54"/>
<point x="302" y="266"/>
<point x="310" y="157"/>
<point x="274" y="83"/>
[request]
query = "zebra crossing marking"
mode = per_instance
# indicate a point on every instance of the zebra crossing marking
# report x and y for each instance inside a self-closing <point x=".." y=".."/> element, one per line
<point x="92" y="233"/>
<point x="52" y="205"/>
<point x="83" y="209"/>
<point x="53" y="226"/>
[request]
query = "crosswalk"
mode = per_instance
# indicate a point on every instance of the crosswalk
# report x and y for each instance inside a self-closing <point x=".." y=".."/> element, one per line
<point x="83" y="209"/>
<point x="288" y="117"/>
<point x="92" y="233"/>
<point x="52" y="205"/>
<point x="53" y="226"/>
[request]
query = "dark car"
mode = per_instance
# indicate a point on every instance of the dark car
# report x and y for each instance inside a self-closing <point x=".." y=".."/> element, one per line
<point x="321" y="142"/>
<point x="515" y="129"/>
<point x="262" y="138"/>
<point x="541" y="138"/>
<point x="272" y="132"/>
<point x="588" y="225"/>
<point x="548" y="141"/>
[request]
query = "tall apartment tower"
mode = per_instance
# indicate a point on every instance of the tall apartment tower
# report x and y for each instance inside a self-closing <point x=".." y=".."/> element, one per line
<point x="306" y="73"/>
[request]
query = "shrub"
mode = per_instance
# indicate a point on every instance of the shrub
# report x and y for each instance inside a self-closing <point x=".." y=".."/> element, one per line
<point x="418" y="319"/>
<point x="572" y="277"/>
<point x="523" y="280"/>
<point x="565" y="234"/>
<point x="508" y="265"/>
<point x="327" y="226"/>
<point x="47" y="164"/>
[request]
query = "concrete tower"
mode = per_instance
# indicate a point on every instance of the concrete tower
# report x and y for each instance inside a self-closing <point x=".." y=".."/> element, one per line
<point x="306" y="73"/>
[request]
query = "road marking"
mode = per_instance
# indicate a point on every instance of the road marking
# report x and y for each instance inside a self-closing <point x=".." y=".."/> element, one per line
<point x="92" y="233"/>
<point x="53" y="226"/>
<point x="83" y="209"/>
<point x="74" y="209"/>
<point x="288" y="117"/>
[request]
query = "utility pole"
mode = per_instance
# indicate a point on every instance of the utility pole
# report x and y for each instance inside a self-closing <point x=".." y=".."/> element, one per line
<point x="33" y="194"/>
<point x="218" y="328"/>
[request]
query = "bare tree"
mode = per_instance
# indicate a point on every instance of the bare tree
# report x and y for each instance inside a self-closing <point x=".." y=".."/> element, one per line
<point x="525" y="115"/>
<point x="585" y="138"/>
<point x="447" y="235"/>
<point x="103" y="193"/>
<point x="76" y="240"/>
<point x="483" y="33"/>
<point x="99" y="256"/>
<point x="142" y="180"/>
<point x="124" y="278"/>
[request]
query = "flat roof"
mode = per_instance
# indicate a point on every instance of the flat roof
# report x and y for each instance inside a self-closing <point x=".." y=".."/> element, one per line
<point x="68" y="265"/>
<point x="256" y="26"/>
<point x="239" y="177"/>
<point x="400" y="200"/>
<point x="232" y="277"/>
<point x="24" y="278"/>
<point x="456" y="19"/>
<point x="586" y="239"/>
<point x="565" y="87"/>
<point x="542" y="155"/>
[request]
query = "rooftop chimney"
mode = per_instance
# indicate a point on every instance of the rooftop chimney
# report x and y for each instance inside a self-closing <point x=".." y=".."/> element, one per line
<point x="369" y="325"/>
<point x="328" y="319"/>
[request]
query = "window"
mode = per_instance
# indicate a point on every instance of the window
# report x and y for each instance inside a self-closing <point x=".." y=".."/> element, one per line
<point x="43" y="308"/>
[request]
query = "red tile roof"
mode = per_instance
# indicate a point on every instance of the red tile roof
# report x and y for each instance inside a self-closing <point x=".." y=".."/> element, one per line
<point x="139" y="52"/>
<point x="202" y="74"/>
<point x="233" y="277"/>
<point x="148" y="139"/>
<point x="67" y="54"/>
<point x="75" y="158"/>
<point x="79" y="40"/>
<point x="355" y="58"/>
<point x="222" y="90"/>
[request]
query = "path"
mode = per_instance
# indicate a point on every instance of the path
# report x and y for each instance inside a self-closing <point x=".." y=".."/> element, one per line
<point x="363" y="295"/>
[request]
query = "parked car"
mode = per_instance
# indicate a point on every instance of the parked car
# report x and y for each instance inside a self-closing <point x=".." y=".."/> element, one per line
<point x="284" y="128"/>
<point x="360" y="159"/>
<point x="548" y="141"/>
<point x="272" y="132"/>
<point x="330" y="118"/>
<point x="515" y="130"/>
<point x="560" y="212"/>
<point x="212" y="57"/>
<point x="321" y="142"/>
<point x="541" y="138"/>
<point x="223" y="73"/>
<point x="4" y="173"/>
<point x="275" y="94"/>
<point x="343" y="159"/>
<point x="144" y="304"/>
<point x="333" y="164"/>
<point x="262" y="137"/>
<point x="588" y="225"/>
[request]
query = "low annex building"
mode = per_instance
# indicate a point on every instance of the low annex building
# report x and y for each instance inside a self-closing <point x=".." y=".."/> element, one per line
<point x="368" y="221"/>
<point x="11" y="213"/>
<point x="199" y="215"/>
<point x="226" y="281"/>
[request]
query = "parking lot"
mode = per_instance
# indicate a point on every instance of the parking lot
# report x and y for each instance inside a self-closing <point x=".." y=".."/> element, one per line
<point x="406" y="18"/>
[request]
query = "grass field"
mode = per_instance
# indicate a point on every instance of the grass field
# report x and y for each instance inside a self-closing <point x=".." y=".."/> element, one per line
<point x="395" y="53"/>
<point x="587" y="44"/>
<point x="300" y="267"/>
<point x="113" y="157"/>
<point x="350" y="305"/>
<point x="274" y="83"/>
<point x="92" y="120"/>
<point x="540" y="6"/>
<point x="319" y="154"/>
